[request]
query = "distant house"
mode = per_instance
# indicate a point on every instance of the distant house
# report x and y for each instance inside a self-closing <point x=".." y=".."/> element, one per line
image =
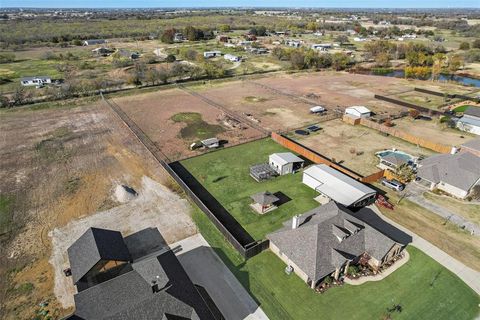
<point x="293" y="43"/>
<point x="470" y="122"/>
<point x="472" y="146"/>
<point x="212" y="54"/>
<point x="358" y="111"/>
<point x="178" y="37"/>
<point x="93" y="42"/>
<point x="321" y="46"/>
<point x="334" y="185"/>
<point x="35" y="81"/>
<point x="231" y="57"/>
<point x="285" y="162"/>
<point x="135" y="277"/>
<point x="264" y="202"/>
<point x="455" y="174"/>
<point x="211" y="143"/>
<point x="327" y="240"/>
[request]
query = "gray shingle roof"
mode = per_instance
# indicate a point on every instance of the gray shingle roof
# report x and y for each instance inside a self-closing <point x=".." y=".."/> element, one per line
<point x="472" y="111"/>
<point x="472" y="144"/>
<point x="461" y="170"/>
<point x="264" y="198"/>
<point x="395" y="159"/>
<point x="315" y="248"/>
<point x="95" y="245"/>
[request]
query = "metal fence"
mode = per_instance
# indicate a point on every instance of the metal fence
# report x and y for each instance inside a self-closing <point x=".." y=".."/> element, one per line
<point x="247" y="250"/>
<point x="408" y="105"/>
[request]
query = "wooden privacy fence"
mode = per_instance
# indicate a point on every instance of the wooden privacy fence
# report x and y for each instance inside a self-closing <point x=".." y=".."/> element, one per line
<point x="374" y="176"/>
<point x="312" y="155"/>
<point x="437" y="147"/>
<point x="408" y="105"/>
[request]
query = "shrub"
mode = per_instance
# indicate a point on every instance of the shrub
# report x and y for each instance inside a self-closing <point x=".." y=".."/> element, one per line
<point x="464" y="46"/>
<point x="353" y="270"/>
<point x="7" y="57"/>
<point x="170" y="58"/>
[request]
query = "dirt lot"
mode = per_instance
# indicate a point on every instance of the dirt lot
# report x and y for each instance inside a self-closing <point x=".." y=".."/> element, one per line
<point x="433" y="130"/>
<point x="337" y="139"/>
<point x="58" y="165"/>
<point x="153" y="112"/>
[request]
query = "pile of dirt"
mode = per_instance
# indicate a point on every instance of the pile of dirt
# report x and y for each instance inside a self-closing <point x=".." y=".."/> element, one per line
<point x="124" y="194"/>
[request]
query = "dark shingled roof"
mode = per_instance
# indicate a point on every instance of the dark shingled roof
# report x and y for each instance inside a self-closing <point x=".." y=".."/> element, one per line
<point x="326" y="237"/>
<point x="95" y="245"/>
<point x="264" y="198"/>
<point x="130" y="296"/>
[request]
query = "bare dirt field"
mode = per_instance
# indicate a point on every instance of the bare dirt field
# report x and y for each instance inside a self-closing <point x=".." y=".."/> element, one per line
<point x="154" y="207"/>
<point x="58" y="165"/>
<point x="433" y="130"/>
<point x="156" y="113"/>
<point x="337" y="139"/>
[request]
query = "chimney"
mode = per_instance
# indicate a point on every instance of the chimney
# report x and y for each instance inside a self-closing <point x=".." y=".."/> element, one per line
<point x="155" y="287"/>
<point x="454" y="150"/>
<point x="295" y="221"/>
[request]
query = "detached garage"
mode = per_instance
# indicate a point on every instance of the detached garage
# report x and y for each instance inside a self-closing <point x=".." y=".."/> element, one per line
<point x="358" y="111"/>
<point x="285" y="162"/>
<point x="338" y="186"/>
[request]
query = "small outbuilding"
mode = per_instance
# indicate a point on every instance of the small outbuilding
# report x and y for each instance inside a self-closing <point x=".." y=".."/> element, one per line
<point x="358" y="111"/>
<point x="264" y="202"/>
<point x="285" y="162"/>
<point x="211" y="143"/>
<point x="212" y="54"/>
<point x="35" y="81"/>
<point x="317" y="109"/>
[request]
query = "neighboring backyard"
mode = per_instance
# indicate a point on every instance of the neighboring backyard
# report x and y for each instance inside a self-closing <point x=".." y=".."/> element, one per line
<point x="422" y="287"/>
<point x="225" y="174"/>
<point x="465" y="209"/>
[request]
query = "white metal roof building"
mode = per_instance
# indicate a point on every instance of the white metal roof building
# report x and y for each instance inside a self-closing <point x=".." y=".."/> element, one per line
<point x="358" y="111"/>
<point x="285" y="162"/>
<point x="338" y="186"/>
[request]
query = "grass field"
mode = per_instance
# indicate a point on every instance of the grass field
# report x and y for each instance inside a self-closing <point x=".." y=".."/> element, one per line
<point x="423" y="288"/>
<point x="225" y="174"/>
<point x="196" y="127"/>
<point x="467" y="210"/>
<point x="461" y="108"/>
<point x="5" y="214"/>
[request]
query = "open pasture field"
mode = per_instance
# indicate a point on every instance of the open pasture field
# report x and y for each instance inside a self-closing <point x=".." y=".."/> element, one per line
<point x="174" y="119"/>
<point x="342" y="142"/>
<point x="61" y="164"/>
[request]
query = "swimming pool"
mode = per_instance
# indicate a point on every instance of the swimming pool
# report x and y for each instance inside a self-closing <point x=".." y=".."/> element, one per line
<point x="394" y="158"/>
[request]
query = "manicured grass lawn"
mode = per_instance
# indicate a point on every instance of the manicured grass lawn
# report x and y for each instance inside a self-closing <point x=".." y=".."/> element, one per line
<point x="461" y="108"/>
<point x="423" y="288"/>
<point x="225" y="174"/>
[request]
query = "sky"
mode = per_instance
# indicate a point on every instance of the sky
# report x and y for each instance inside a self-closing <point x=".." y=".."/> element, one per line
<point x="240" y="3"/>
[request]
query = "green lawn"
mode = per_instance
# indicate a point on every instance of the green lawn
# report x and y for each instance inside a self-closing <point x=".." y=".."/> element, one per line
<point x="461" y="108"/>
<point x="225" y="174"/>
<point x="423" y="288"/>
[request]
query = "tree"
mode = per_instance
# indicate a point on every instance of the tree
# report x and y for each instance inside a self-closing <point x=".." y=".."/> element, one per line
<point x="7" y="57"/>
<point x="464" y="46"/>
<point x="455" y="62"/>
<point x="383" y="60"/>
<point x="20" y="96"/>
<point x="4" y="101"/>
<point x="405" y="172"/>
<point x="312" y="26"/>
<point x="193" y="34"/>
<point x="77" y="42"/>
<point x="341" y="39"/>
<point x="170" y="58"/>
<point x="340" y="61"/>
<point x="475" y="193"/>
<point x="297" y="59"/>
<point x="476" y="44"/>
<point x="224" y="28"/>
<point x="168" y="36"/>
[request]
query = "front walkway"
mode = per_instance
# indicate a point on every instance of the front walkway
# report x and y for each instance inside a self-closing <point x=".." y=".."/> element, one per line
<point x="468" y="275"/>
<point x="380" y="276"/>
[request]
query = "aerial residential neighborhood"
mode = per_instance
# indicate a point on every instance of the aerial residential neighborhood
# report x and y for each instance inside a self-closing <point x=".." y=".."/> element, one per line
<point x="239" y="160"/>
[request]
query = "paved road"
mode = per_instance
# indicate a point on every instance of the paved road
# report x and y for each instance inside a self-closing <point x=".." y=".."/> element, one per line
<point x="207" y="270"/>
<point x="415" y="194"/>
<point x="468" y="275"/>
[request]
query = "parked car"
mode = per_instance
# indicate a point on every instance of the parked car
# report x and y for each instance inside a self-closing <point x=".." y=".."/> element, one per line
<point x="393" y="184"/>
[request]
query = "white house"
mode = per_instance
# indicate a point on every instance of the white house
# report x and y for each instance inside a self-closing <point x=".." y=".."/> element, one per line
<point x="358" y="111"/>
<point x="455" y="174"/>
<point x="293" y="43"/>
<point x="35" y="81"/>
<point x="338" y="186"/>
<point x="231" y="57"/>
<point x="321" y="46"/>
<point x="212" y="54"/>
<point x="470" y="122"/>
<point x="285" y="162"/>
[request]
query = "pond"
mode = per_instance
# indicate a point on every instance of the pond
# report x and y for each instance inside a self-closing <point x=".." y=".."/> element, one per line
<point x="469" y="81"/>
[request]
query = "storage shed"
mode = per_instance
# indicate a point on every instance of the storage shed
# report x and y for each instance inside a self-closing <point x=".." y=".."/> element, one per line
<point x="285" y="162"/>
<point x="358" y="111"/>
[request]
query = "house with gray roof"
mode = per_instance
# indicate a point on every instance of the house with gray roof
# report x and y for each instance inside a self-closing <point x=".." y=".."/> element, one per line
<point x="470" y="122"/>
<point x="472" y="146"/>
<point x="326" y="240"/>
<point x="455" y="174"/>
<point x="136" y="277"/>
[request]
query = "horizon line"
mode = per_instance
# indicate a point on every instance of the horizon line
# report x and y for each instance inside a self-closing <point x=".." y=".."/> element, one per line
<point x="237" y="7"/>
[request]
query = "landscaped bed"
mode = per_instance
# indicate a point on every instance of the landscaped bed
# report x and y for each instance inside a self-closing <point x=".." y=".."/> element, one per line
<point x="225" y="174"/>
<point x="421" y="289"/>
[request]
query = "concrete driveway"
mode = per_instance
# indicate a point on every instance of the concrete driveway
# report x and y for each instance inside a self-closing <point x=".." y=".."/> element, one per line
<point x="207" y="270"/>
